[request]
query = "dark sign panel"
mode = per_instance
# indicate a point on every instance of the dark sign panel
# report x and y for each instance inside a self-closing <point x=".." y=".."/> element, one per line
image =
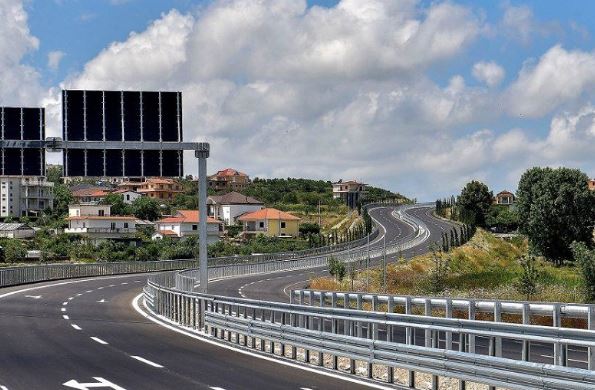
<point x="18" y="124"/>
<point x="130" y="116"/>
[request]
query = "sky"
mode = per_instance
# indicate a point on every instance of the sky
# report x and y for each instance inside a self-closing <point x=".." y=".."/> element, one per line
<point x="418" y="97"/>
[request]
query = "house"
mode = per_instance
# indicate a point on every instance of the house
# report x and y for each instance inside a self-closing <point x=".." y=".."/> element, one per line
<point x="592" y="184"/>
<point x="128" y="196"/>
<point x="230" y="206"/>
<point x="350" y="192"/>
<point x="96" y="223"/>
<point x="228" y="179"/>
<point x="25" y="196"/>
<point x="16" y="230"/>
<point x="270" y="222"/>
<point x="90" y="195"/>
<point x="155" y="187"/>
<point x="185" y="224"/>
<point x="504" y="198"/>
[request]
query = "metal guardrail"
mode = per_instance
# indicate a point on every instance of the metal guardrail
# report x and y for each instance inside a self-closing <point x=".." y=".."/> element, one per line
<point x="40" y="273"/>
<point x="376" y="338"/>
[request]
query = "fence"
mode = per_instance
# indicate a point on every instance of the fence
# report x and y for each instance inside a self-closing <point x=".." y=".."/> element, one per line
<point x="345" y="338"/>
<point x="40" y="273"/>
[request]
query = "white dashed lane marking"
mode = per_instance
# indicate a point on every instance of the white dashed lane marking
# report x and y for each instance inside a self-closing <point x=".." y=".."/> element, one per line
<point x="150" y="363"/>
<point x="63" y="309"/>
<point x="65" y="317"/>
<point x="100" y="341"/>
<point x="75" y="326"/>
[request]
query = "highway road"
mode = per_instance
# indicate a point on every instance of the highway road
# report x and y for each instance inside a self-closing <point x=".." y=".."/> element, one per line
<point x="85" y="333"/>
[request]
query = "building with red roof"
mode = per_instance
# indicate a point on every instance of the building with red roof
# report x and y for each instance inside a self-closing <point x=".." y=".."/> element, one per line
<point x="228" y="179"/>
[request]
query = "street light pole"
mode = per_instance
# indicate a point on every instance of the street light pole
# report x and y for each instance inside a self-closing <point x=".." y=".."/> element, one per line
<point x="368" y="265"/>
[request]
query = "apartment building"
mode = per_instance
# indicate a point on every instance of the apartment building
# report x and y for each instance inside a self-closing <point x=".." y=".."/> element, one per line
<point x="228" y="179"/>
<point x="350" y="192"/>
<point x="25" y="196"/>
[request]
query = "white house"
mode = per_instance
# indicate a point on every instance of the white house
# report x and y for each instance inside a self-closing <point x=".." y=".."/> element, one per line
<point x="96" y="223"/>
<point x="185" y="224"/>
<point x="128" y="196"/>
<point x="230" y="206"/>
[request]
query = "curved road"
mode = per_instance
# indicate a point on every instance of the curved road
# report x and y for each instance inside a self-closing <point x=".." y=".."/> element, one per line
<point x="61" y="335"/>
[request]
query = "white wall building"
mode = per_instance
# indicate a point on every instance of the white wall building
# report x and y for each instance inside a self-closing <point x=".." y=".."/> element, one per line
<point x="128" y="196"/>
<point x="230" y="206"/>
<point x="96" y="223"/>
<point x="21" y="196"/>
<point x="185" y="224"/>
<point x="16" y="230"/>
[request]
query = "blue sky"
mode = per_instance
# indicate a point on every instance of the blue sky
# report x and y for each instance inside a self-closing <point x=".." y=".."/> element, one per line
<point x="482" y="89"/>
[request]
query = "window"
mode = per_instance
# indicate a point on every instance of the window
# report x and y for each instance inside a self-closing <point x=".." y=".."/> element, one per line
<point x="283" y="225"/>
<point x="102" y="213"/>
<point x="125" y="225"/>
<point x="113" y="226"/>
<point x="194" y="227"/>
<point x="261" y="224"/>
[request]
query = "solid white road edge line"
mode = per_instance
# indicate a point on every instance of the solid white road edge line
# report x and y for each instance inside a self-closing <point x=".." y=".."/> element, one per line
<point x="204" y="339"/>
<point x="100" y="341"/>
<point x="150" y="363"/>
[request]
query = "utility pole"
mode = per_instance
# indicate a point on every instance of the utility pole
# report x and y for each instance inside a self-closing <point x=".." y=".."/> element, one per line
<point x="319" y="215"/>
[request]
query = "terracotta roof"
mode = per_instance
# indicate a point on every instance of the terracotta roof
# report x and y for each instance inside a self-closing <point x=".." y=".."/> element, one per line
<point x="229" y="172"/>
<point x="186" y="216"/>
<point x="89" y="192"/>
<point x="234" y="198"/>
<point x="166" y="232"/>
<point x="110" y="217"/>
<point x="142" y="190"/>
<point x="160" y="180"/>
<point x="504" y="193"/>
<point x="268" y="213"/>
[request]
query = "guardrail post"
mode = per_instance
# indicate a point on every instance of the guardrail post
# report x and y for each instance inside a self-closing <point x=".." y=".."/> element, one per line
<point x="448" y="314"/>
<point x="471" y="317"/>
<point x="559" y="355"/>
<point x="498" y="318"/>
<point x="430" y="337"/>
<point x="591" y="326"/>
<point x="410" y="340"/>
<point x="526" y="351"/>
<point x="359" y="307"/>
<point x="390" y="371"/>
<point x="462" y="342"/>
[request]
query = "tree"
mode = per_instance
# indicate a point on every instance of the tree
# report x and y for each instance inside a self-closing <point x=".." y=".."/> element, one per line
<point x="62" y="198"/>
<point x="502" y="218"/>
<point x="585" y="259"/>
<point x="336" y="268"/>
<point x="474" y="203"/>
<point x="117" y="203"/>
<point x="527" y="283"/>
<point x="146" y="208"/>
<point x="555" y="208"/>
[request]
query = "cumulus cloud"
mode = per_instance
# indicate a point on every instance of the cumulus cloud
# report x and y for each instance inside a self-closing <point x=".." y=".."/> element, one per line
<point x="557" y="78"/>
<point x="282" y="89"/>
<point x="488" y="72"/>
<point x="20" y="83"/>
<point x="54" y="59"/>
